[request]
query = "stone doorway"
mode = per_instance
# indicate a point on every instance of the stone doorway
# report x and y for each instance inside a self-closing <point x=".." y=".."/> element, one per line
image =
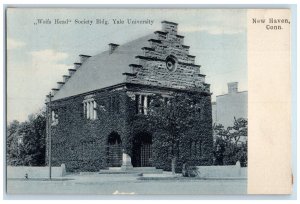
<point x="114" y="150"/>
<point x="142" y="150"/>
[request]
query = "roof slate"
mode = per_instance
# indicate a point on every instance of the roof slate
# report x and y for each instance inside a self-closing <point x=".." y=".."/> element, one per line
<point x="103" y="70"/>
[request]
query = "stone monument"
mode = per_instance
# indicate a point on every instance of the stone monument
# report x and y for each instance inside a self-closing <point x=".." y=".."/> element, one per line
<point x="126" y="162"/>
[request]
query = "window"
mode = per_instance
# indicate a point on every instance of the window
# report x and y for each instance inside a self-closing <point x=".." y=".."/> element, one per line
<point x="167" y="100"/>
<point x="202" y="113"/>
<point x="142" y="103"/>
<point x="195" y="147"/>
<point x="171" y="63"/>
<point x="54" y="118"/>
<point x="114" y="104"/>
<point x="90" y="109"/>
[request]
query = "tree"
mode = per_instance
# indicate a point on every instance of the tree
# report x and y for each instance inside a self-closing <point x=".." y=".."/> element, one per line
<point x="221" y="132"/>
<point x="34" y="132"/>
<point x="12" y="143"/>
<point x="30" y="150"/>
<point x="219" y="149"/>
<point x="175" y="115"/>
<point x="239" y="129"/>
<point x="229" y="138"/>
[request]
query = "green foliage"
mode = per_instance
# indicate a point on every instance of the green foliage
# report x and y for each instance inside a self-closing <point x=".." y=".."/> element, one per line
<point x="228" y="147"/>
<point x="189" y="171"/>
<point x="178" y="122"/>
<point x="26" y="141"/>
<point x="12" y="152"/>
<point x="82" y="145"/>
<point x="239" y="129"/>
<point x="222" y="133"/>
<point x="175" y="115"/>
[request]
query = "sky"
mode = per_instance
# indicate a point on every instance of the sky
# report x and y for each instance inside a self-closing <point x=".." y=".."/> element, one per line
<point x="38" y="55"/>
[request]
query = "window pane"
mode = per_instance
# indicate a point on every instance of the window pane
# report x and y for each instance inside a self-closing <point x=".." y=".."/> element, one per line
<point x="88" y="110"/>
<point x="84" y="110"/>
<point x="137" y="99"/>
<point x="142" y="104"/>
<point x="95" y="110"/>
<point x="145" y="104"/>
<point x="53" y="116"/>
<point x="91" y="110"/>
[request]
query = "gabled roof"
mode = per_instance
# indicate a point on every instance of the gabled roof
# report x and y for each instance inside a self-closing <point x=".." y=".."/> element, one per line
<point x="103" y="70"/>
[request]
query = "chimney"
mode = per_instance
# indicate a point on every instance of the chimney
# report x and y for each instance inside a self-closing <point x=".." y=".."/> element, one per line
<point x="232" y="87"/>
<point x="83" y="58"/>
<point x="169" y="27"/>
<point x="112" y="47"/>
<point x="65" y="78"/>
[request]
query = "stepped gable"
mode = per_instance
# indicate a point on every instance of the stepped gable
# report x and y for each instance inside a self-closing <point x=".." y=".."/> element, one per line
<point x="166" y="62"/>
<point x="159" y="59"/>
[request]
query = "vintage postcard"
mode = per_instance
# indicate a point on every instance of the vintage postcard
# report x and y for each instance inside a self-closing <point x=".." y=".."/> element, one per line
<point x="148" y="101"/>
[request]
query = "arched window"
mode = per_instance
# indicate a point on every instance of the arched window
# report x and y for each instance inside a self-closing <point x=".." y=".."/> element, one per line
<point x="114" y="150"/>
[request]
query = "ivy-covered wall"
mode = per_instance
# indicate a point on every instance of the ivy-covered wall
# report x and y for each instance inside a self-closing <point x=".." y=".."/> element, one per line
<point x="164" y="67"/>
<point x="81" y="144"/>
<point x="196" y="149"/>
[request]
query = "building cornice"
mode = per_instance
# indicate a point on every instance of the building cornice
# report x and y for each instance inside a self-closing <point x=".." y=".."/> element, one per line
<point x="130" y="84"/>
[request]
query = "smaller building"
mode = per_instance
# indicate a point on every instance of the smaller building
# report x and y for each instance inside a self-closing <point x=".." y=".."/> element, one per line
<point x="228" y="106"/>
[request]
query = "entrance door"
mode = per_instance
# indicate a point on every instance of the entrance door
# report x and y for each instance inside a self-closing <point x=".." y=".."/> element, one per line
<point x="146" y="155"/>
<point x="114" y="150"/>
<point x="142" y="150"/>
<point x="115" y="155"/>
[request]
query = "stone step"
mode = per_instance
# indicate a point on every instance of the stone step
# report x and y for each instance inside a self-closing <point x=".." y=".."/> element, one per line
<point x="83" y="173"/>
<point x="134" y="170"/>
<point x="114" y="168"/>
<point x="147" y="170"/>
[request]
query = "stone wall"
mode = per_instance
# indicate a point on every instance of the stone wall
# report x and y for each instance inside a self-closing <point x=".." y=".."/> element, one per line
<point x="234" y="171"/>
<point x="34" y="171"/>
<point x="151" y="68"/>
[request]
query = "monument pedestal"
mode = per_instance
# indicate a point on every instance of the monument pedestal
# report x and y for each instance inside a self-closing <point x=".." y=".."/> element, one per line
<point x="126" y="162"/>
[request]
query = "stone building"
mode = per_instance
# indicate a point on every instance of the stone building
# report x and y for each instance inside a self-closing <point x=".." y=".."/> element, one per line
<point x="228" y="106"/>
<point x="94" y="108"/>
